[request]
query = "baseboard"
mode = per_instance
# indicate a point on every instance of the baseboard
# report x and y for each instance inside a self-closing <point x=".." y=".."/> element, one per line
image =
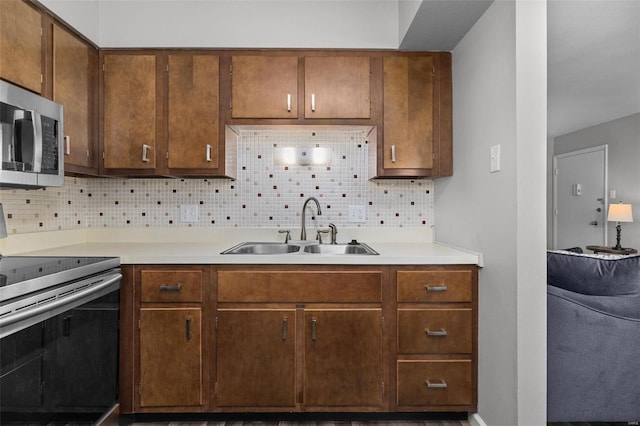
<point x="476" y="420"/>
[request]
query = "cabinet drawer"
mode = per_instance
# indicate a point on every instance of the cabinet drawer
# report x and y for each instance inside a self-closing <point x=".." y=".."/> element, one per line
<point x="294" y="287"/>
<point x="440" y="382"/>
<point x="433" y="331"/>
<point x="171" y="286"/>
<point x="434" y="286"/>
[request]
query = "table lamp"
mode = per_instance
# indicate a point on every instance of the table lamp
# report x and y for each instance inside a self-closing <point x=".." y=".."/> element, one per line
<point x="619" y="213"/>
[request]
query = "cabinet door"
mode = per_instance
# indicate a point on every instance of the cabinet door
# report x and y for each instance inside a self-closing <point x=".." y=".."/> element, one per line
<point x="129" y="111"/>
<point x="343" y="358"/>
<point x="256" y="358"/>
<point x="193" y="111"/>
<point x="264" y="87"/>
<point x="337" y="87"/>
<point x="21" y="44"/>
<point x="408" y="112"/>
<point x="73" y="88"/>
<point x="170" y="357"/>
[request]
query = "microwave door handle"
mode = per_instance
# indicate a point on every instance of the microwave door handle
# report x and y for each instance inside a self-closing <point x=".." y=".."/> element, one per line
<point x="37" y="141"/>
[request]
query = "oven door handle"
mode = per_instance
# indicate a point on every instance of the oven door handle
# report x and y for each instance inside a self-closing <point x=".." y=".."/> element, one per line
<point x="76" y="299"/>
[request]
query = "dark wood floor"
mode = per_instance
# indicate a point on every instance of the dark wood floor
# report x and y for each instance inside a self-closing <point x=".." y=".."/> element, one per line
<point x="308" y="423"/>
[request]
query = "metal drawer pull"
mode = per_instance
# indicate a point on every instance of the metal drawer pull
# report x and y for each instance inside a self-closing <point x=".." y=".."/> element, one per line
<point x="285" y="322"/>
<point x="67" y="145"/>
<point x="436" y="287"/>
<point x="188" y="327"/>
<point x="439" y="385"/>
<point x="442" y="332"/>
<point x="145" y="148"/>
<point x="176" y="287"/>
<point x="208" y="153"/>
<point x="314" y="327"/>
<point x="288" y="102"/>
<point x="313" y="102"/>
<point x="393" y="153"/>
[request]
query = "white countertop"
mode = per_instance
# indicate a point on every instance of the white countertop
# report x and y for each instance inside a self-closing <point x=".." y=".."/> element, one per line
<point x="204" y="247"/>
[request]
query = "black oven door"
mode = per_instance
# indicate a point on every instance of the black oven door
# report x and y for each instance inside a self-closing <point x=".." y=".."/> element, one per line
<point x="63" y="369"/>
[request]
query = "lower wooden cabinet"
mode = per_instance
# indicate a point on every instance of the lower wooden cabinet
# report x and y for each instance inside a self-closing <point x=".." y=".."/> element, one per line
<point x="170" y="347"/>
<point x="343" y="358"/>
<point x="170" y="357"/>
<point x="300" y="341"/>
<point x="436" y="338"/>
<point x="250" y="338"/>
<point x="256" y="358"/>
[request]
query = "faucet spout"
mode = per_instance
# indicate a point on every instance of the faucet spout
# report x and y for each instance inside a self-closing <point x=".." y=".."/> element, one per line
<point x="303" y="232"/>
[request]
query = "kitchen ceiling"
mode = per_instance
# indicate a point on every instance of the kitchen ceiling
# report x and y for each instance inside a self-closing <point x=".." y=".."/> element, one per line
<point x="593" y="45"/>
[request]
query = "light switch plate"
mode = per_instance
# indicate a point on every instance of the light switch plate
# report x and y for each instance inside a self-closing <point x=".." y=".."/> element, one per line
<point x="357" y="214"/>
<point x="495" y="158"/>
<point x="188" y="213"/>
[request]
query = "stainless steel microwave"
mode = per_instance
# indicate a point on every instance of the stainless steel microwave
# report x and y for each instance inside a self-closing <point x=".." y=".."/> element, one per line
<point x="31" y="139"/>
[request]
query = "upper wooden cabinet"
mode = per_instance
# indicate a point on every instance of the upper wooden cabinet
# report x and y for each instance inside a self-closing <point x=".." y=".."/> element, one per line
<point x="264" y="87"/>
<point x="161" y="113"/>
<point x="337" y="87"/>
<point x="416" y="140"/>
<point x="74" y="86"/>
<point x="332" y="87"/>
<point x="129" y="108"/>
<point x="408" y="112"/>
<point x="21" y="44"/>
<point x="192" y="113"/>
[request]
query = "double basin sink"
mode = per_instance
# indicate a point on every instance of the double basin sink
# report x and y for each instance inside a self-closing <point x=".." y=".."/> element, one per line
<point x="257" y="248"/>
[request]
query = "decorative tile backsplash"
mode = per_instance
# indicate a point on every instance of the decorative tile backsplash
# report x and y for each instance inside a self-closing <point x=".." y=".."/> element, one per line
<point x="264" y="195"/>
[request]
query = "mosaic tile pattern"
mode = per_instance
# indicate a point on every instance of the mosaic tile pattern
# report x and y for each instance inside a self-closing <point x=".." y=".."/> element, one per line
<point x="264" y="195"/>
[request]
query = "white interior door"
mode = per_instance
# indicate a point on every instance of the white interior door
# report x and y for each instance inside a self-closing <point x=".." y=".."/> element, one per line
<point x="579" y="198"/>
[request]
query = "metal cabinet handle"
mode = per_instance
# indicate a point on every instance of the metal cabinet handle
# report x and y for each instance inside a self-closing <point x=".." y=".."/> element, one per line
<point x="37" y="140"/>
<point x="145" y="148"/>
<point x="288" y="102"/>
<point x="176" y="287"/>
<point x="434" y="288"/>
<point x="314" y="329"/>
<point x="442" y="332"/>
<point x="208" y="153"/>
<point x="393" y="153"/>
<point x="67" y="145"/>
<point x="188" y="327"/>
<point x="285" y="325"/>
<point x="313" y="102"/>
<point x="437" y="385"/>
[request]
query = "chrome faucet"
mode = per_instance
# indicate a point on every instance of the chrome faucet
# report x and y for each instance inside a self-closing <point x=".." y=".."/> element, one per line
<point x="303" y="232"/>
<point x="334" y="231"/>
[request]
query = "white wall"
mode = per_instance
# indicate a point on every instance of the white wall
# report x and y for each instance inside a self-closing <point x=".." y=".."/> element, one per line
<point x="499" y="87"/>
<point x="81" y="15"/>
<point x="407" y="10"/>
<point x="623" y="138"/>
<point x="239" y="24"/>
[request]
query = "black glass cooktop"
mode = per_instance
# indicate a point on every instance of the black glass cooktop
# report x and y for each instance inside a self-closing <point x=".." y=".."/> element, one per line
<point x="23" y="274"/>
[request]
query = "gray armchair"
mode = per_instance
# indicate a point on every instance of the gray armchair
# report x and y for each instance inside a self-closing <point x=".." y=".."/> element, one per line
<point x="593" y="338"/>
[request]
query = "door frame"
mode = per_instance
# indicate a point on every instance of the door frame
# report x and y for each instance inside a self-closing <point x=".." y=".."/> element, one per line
<point x="605" y="204"/>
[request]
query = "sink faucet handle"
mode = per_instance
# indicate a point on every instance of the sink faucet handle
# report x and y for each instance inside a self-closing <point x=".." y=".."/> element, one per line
<point x="319" y="234"/>
<point x="286" y="237"/>
<point x="334" y="230"/>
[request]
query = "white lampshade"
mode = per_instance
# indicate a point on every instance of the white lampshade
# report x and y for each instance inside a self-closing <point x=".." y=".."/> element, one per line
<point x="620" y="213"/>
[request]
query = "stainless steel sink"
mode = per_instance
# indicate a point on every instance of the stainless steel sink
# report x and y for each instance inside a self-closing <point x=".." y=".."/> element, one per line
<point x="310" y="248"/>
<point x="358" y="248"/>
<point x="263" y="248"/>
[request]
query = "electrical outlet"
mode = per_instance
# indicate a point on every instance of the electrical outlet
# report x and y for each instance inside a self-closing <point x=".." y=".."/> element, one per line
<point x="357" y="214"/>
<point x="188" y="213"/>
